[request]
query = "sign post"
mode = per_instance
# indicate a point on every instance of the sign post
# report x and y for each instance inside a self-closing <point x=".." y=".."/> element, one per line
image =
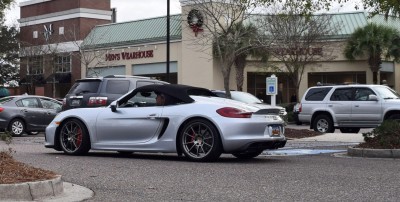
<point x="272" y="88"/>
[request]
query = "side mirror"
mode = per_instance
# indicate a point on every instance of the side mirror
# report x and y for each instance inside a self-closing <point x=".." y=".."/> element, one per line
<point x="372" y="98"/>
<point x="113" y="106"/>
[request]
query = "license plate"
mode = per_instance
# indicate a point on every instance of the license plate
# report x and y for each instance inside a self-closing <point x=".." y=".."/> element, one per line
<point x="276" y="131"/>
<point x="75" y="102"/>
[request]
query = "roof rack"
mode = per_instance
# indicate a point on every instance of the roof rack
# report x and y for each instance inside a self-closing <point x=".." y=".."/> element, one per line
<point x="126" y="76"/>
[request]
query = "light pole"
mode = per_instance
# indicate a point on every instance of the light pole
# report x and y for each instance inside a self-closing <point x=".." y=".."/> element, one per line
<point x="168" y="39"/>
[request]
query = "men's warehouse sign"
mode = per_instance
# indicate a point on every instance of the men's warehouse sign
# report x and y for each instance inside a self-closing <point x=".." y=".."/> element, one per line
<point x="129" y="55"/>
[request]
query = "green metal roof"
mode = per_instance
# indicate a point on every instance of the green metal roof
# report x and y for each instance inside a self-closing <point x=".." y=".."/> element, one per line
<point x="133" y="32"/>
<point x="154" y="29"/>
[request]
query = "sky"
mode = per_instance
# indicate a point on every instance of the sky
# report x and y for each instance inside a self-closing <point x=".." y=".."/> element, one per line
<point x="128" y="10"/>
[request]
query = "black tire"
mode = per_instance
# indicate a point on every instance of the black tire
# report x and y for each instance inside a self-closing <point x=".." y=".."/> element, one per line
<point x="323" y="124"/>
<point x="394" y="117"/>
<point x="74" y="138"/>
<point x="32" y="132"/>
<point x="199" y="140"/>
<point x="17" y="127"/>
<point x="350" y="130"/>
<point x="247" y="155"/>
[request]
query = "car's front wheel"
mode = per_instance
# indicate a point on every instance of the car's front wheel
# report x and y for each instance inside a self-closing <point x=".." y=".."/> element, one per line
<point x="16" y="127"/>
<point x="199" y="140"/>
<point x="323" y="124"/>
<point x="350" y="130"/>
<point x="247" y="155"/>
<point x="74" y="138"/>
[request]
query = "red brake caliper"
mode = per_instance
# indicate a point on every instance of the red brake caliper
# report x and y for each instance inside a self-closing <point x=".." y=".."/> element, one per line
<point x="79" y="138"/>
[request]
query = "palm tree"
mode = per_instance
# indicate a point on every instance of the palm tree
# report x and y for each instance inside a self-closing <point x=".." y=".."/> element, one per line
<point x="373" y="41"/>
<point x="250" y="49"/>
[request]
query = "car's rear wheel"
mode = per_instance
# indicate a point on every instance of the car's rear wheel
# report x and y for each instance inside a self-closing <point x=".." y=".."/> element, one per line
<point x="247" y="155"/>
<point x="200" y="141"/>
<point x="16" y="127"/>
<point x="323" y="124"/>
<point x="74" y="138"/>
<point x="350" y="130"/>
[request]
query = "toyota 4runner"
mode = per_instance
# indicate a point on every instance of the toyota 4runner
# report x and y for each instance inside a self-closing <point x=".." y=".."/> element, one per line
<point x="348" y="107"/>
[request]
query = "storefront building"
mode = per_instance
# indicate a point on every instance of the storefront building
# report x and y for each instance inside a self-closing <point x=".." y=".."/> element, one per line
<point x="51" y="34"/>
<point x="139" y="48"/>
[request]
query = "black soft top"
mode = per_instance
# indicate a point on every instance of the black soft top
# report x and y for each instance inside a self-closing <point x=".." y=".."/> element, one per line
<point x="177" y="91"/>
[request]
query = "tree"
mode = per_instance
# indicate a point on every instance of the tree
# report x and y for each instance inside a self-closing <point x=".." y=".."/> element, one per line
<point x="253" y="49"/>
<point x="373" y="41"/>
<point x="219" y="30"/>
<point x="9" y="69"/>
<point x="299" y="40"/>
<point x="386" y="7"/>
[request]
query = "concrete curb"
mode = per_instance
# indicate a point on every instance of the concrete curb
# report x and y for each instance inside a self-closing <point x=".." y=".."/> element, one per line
<point x="373" y="153"/>
<point x="29" y="191"/>
<point x="53" y="190"/>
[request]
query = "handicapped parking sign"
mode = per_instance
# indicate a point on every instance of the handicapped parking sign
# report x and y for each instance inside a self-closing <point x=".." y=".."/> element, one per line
<point x="272" y="83"/>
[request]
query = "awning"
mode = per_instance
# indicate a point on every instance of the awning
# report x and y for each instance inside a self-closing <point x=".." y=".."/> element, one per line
<point x="32" y="79"/>
<point x="59" y="78"/>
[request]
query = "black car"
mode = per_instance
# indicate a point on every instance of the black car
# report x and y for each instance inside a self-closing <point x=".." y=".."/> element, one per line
<point x="27" y="113"/>
<point x="101" y="91"/>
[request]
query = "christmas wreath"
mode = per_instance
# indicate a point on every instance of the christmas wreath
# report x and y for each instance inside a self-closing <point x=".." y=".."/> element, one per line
<point x="195" y="18"/>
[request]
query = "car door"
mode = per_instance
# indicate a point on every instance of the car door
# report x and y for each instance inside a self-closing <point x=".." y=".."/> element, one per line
<point x="340" y="104"/>
<point x="365" y="111"/>
<point x="135" y="121"/>
<point x="31" y="112"/>
<point x="50" y="108"/>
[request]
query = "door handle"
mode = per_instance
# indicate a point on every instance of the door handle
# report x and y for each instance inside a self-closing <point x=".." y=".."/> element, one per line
<point x="152" y="116"/>
<point x="330" y="105"/>
<point x="356" y="105"/>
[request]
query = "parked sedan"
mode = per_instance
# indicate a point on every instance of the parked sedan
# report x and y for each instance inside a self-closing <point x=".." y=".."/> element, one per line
<point x="27" y="113"/>
<point x="172" y="119"/>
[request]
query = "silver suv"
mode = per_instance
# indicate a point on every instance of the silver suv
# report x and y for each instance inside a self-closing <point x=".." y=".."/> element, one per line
<point x="348" y="107"/>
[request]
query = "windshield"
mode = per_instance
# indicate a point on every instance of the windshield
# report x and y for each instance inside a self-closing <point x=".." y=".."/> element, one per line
<point x="386" y="92"/>
<point x="244" y="97"/>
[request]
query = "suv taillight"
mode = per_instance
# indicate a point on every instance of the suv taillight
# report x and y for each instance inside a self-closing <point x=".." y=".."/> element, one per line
<point x="97" y="101"/>
<point x="299" y="107"/>
<point x="233" y="113"/>
<point x="1" y="109"/>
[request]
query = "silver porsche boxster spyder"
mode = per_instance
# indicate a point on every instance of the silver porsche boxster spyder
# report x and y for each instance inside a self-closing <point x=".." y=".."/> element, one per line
<point x="172" y="119"/>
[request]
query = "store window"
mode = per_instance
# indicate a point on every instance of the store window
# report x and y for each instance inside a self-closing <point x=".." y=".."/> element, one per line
<point x="35" y="65"/>
<point x="63" y="63"/>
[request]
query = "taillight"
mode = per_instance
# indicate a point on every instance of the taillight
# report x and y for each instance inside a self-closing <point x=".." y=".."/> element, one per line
<point x="97" y="101"/>
<point x="299" y="107"/>
<point x="233" y="113"/>
<point x="1" y="109"/>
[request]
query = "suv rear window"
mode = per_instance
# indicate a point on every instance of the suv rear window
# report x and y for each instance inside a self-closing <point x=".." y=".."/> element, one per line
<point x="117" y="86"/>
<point x="81" y="87"/>
<point x="317" y="94"/>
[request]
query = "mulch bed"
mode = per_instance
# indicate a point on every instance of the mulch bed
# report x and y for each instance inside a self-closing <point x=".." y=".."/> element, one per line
<point x="12" y="171"/>
<point x="300" y="133"/>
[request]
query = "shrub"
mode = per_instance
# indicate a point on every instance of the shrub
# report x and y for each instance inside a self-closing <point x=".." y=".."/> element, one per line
<point x="385" y="136"/>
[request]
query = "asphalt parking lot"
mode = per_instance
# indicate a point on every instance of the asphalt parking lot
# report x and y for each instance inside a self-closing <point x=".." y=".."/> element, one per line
<point x="310" y="176"/>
